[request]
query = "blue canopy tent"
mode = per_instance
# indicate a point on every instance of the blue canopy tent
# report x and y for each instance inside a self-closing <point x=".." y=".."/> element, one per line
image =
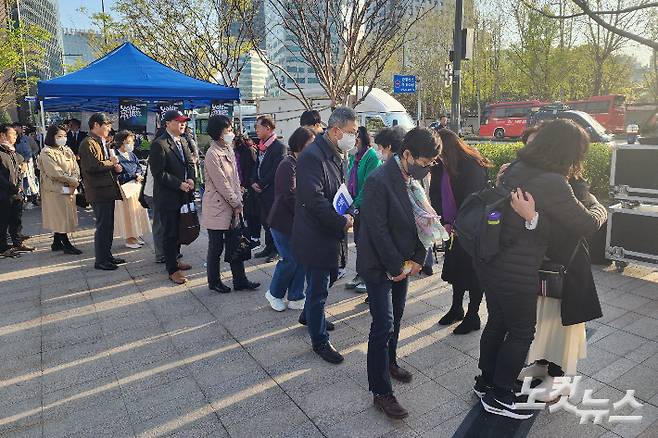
<point x="127" y="73"/>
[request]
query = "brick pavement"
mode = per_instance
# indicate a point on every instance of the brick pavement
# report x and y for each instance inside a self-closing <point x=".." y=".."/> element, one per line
<point x="89" y="353"/>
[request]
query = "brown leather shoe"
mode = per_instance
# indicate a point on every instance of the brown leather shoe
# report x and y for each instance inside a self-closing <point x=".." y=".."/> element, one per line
<point x="399" y="373"/>
<point x="184" y="266"/>
<point x="23" y="248"/>
<point x="390" y="406"/>
<point x="178" y="277"/>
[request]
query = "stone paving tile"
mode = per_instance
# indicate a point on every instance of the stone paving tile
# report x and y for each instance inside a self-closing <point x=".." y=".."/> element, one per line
<point x="130" y="354"/>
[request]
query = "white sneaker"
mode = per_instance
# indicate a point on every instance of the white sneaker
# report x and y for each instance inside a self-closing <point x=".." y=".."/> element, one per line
<point x="141" y="241"/>
<point x="533" y="370"/>
<point x="133" y="245"/>
<point x="275" y="303"/>
<point x="297" y="305"/>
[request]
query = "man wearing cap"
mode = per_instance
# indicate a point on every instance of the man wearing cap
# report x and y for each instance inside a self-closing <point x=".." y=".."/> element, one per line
<point x="100" y="167"/>
<point x="172" y="168"/>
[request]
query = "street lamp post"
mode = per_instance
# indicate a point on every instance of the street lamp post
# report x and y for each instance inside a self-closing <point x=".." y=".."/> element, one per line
<point x="456" y="64"/>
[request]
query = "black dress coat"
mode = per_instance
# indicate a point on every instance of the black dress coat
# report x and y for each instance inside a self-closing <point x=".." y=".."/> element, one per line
<point x="458" y="267"/>
<point x="169" y="171"/>
<point x="73" y="141"/>
<point x="388" y="235"/>
<point x="263" y="174"/>
<point x="246" y="164"/>
<point x="318" y="229"/>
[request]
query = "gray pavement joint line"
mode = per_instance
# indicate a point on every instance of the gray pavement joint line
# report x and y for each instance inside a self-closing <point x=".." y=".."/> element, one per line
<point x="116" y="378"/>
<point x="41" y="389"/>
<point x="259" y="364"/>
<point x="149" y="304"/>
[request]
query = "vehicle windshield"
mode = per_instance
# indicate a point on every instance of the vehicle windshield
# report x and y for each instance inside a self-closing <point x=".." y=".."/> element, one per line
<point x="595" y="124"/>
<point x="398" y="118"/>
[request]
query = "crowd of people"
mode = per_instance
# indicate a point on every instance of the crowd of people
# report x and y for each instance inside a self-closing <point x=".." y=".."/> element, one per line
<point x="406" y="187"/>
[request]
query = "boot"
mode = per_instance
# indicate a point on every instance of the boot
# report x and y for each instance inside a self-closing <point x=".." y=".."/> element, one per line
<point x="471" y="321"/>
<point x="68" y="246"/>
<point x="456" y="312"/>
<point x="57" y="242"/>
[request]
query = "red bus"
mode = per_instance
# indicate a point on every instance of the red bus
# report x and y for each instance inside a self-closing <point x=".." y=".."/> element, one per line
<point x="607" y="110"/>
<point x="506" y="119"/>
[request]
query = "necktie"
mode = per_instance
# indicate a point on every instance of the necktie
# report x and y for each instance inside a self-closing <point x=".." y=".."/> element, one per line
<point x="179" y="147"/>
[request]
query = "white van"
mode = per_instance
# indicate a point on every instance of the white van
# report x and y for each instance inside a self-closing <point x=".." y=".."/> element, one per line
<point x="377" y="110"/>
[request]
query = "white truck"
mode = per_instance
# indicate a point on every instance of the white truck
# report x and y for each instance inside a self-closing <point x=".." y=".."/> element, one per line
<point x="377" y="110"/>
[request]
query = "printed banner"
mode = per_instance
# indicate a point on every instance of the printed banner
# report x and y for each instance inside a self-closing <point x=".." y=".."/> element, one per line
<point x="217" y="108"/>
<point x="132" y="115"/>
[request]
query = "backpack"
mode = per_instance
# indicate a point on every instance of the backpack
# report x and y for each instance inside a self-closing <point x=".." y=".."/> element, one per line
<point x="479" y="221"/>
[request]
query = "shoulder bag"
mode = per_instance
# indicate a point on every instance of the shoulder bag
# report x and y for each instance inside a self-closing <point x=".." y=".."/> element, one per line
<point x="552" y="274"/>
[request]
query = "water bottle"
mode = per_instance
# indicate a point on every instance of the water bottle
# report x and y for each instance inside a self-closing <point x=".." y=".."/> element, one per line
<point x="491" y="236"/>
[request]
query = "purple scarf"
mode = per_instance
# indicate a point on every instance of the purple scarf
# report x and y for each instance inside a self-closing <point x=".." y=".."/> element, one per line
<point x="448" y="203"/>
<point x="352" y="182"/>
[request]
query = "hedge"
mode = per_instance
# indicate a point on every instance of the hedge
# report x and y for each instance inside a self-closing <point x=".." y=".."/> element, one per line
<point x="597" y="164"/>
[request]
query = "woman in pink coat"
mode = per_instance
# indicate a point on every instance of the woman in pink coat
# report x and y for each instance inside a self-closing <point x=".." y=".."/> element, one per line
<point x="222" y="200"/>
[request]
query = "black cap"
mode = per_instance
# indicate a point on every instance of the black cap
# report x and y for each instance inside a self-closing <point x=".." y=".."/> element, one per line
<point x="100" y="118"/>
<point x="175" y="115"/>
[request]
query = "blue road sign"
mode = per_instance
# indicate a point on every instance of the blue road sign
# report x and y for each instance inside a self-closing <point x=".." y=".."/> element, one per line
<point x="404" y="84"/>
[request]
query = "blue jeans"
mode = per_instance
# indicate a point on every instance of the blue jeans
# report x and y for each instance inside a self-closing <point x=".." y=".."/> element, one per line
<point x="386" y="301"/>
<point x="288" y="274"/>
<point x="317" y="289"/>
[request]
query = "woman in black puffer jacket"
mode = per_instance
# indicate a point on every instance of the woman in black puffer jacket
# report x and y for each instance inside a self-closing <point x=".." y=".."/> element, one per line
<point x="543" y="201"/>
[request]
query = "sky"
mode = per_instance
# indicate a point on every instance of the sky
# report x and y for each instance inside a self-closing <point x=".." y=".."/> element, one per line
<point x="70" y="17"/>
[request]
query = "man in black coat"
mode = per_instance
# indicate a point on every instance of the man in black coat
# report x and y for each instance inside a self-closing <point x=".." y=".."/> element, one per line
<point x="172" y="169"/>
<point x="74" y="137"/>
<point x="318" y="228"/>
<point x="270" y="153"/>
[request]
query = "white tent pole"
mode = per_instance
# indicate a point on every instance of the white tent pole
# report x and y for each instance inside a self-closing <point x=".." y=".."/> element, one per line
<point x="43" y="122"/>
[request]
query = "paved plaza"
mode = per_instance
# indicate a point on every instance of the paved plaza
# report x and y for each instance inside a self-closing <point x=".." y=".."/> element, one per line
<point x="86" y="353"/>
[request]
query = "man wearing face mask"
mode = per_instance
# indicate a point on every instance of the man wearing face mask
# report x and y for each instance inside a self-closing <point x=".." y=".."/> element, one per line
<point x="398" y="225"/>
<point x="318" y="229"/>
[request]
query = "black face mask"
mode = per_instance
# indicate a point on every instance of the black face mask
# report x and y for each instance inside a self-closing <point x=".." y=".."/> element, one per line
<point x="416" y="171"/>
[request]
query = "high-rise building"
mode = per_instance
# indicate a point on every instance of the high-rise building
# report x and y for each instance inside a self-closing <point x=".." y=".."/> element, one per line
<point x="76" y="46"/>
<point x="45" y="14"/>
<point x="253" y="77"/>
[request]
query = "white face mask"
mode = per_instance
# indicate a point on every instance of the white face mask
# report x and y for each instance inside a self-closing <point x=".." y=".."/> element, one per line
<point x="60" y="141"/>
<point x="129" y="147"/>
<point x="228" y="138"/>
<point x="347" y="142"/>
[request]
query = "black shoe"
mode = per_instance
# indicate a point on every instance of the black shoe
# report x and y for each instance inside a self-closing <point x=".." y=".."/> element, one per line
<point x="179" y="256"/>
<point x="330" y="325"/>
<point x="428" y="270"/>
<point x="245" y="285"/>
<point x="220" y="288"/>
<point x="470" y="323"/>
<point x="106" y="266"/>
<point x="453" y="315"/>
<point x="70" y="249"/>
<point x="255" y="244"/>
<point x="57" y="246"/>
<point x="264" y="253"/>
<point x="481" y="386"/>
<point x="272" y="257"/>
<point x="504" y="406"/>
<point x="118" y="261"/>
<point x="327" y="352"/>
<point x="159" y="260"/>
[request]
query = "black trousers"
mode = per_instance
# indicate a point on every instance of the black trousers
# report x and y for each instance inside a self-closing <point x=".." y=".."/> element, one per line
<point x="386" y="301"/>
<point x="264" y="206"/>
<point x="11" y="213"/>
<point x="169" y="222"/>
<point x="507" y="337"/>
<point x="104" y="214"/>
<point x="216" y="240"/>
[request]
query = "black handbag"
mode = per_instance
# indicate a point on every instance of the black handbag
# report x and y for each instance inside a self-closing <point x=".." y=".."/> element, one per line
<point x="552" y="274"/>
<point x="188" y="226"/>
<point x="238" y="241"/>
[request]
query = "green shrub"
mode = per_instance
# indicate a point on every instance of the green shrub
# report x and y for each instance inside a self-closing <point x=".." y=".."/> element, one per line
<point x="597" y="164"/>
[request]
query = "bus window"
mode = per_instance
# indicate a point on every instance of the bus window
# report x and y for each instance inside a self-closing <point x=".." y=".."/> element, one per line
<point x="598" y="107"/>
<point x="518" y="111"/>
<point x="485" y="116"/>
<point x="619" y="101"/>
<point x="499" y="113"/>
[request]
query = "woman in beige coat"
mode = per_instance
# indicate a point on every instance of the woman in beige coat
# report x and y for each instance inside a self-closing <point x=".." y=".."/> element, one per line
<point x="60" y="177"/>
<point x="222" y="201"/>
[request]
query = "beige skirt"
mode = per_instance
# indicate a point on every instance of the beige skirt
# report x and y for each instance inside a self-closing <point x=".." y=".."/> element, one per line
<point x="562" y="345"/>
<point x="130" y="218"/>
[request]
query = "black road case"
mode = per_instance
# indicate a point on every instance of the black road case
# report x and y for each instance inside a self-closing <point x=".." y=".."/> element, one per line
<point x="632" y="235"/>
<point x="634" y="173"/>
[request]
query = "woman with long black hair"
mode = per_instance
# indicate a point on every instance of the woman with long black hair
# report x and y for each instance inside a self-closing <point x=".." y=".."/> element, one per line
<point x="462" y="171"/>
